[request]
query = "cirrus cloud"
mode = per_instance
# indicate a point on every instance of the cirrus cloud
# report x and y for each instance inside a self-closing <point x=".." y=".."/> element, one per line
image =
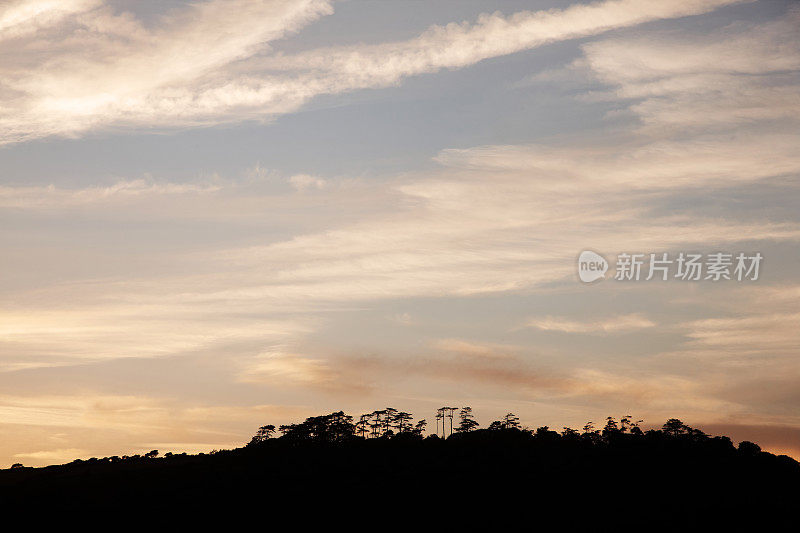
<point x="82" y="66"/>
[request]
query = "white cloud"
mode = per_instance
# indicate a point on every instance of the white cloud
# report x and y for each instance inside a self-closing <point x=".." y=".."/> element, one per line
<point x="640" y="162"/>
<point x="492" y="219"/>
<point x="102" y="68"/>
<point x="28" y="16"/>
<point x="764" y="334"/>
<point x="86" y="411"/>
<point x="123" y="190"/>
<point x="476" y="349"/>
<point x="611" y="324"/>
<point x="304" y="182"/>
<point x="97" y="331"/>
<point x="286" y="368"/>
<point x="737" y="75"/>
<point x="205" y="64"/>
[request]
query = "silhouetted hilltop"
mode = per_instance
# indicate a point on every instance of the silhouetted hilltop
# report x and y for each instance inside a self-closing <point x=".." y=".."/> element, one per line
<point x="619" y="471"/>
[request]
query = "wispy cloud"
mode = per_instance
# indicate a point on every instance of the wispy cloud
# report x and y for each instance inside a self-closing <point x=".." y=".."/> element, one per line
<point x="204" y="64"/>
<point x="758" y="337"/>
<point x="476" y="349"/>
<point x="52" y="196"/>
<point x="680" y="83"/>
<point x="493" y="35"/>
<point x="641" y="163"/>
<point x="490" y="220"/>
<point x="612" y="324"/>
<point x="106" y="68"/>
<point x="289" y="369"/>
<point x="23" y="17"/>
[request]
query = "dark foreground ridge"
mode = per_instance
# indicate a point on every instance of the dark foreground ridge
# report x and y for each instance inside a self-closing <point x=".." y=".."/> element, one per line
<point x="383" y="462"/>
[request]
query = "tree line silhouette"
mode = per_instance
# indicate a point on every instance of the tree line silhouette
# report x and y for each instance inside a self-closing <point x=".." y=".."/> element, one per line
<point x="391" y="423"/>
<point x="385" y="458"/>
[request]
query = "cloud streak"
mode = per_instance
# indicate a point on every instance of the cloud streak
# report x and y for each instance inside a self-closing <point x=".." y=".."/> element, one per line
<point x="610" y="325"/>
<point x="124" y="190"/>
<point x="210" y="63"/>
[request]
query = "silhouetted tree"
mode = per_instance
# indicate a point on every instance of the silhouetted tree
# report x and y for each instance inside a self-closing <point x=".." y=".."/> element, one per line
<point x="402" y="421"/>
<point x="610" y="427"/>
<point x="263" y="433"/>
<point x="511" y="421"/>
<point x="450" y="411"/>
<point x="338" y="427"/>
<point x="545" y="433"/>
<point x="389" y="420"/>
<point x="626" y="425"/>
<point x="443" y="414"/>
<point x="419" y="427"/>
<point x="376" y="424"/>
<point x="749" y="448"/>
<point x="674" y="428"/>
<point x="323" y="459"/>
<point x="335" y="427"/>
<point x="286" y="429"/>
<point x="362" y="426"/>
<point x="570" y="434"/>
<point x="467" y="421"/>
<point x="590" y="434"/>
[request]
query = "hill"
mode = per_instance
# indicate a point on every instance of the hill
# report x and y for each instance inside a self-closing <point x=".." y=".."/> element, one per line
<point x="621" y="473"/>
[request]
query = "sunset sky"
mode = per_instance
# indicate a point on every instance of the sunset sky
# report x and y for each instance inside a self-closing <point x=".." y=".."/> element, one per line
<point x="221" y="214"/>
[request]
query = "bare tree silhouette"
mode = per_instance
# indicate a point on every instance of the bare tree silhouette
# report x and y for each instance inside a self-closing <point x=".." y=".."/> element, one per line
<point x="450" y="411"/>
<point x="444" y="413"/>
<point x="440" y="416"/>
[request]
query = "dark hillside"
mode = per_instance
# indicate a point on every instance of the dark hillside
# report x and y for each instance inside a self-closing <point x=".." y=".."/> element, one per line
<point x="629" y="473"/>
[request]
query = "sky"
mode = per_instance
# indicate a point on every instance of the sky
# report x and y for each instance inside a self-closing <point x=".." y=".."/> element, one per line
<point x="222" y="214"/>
